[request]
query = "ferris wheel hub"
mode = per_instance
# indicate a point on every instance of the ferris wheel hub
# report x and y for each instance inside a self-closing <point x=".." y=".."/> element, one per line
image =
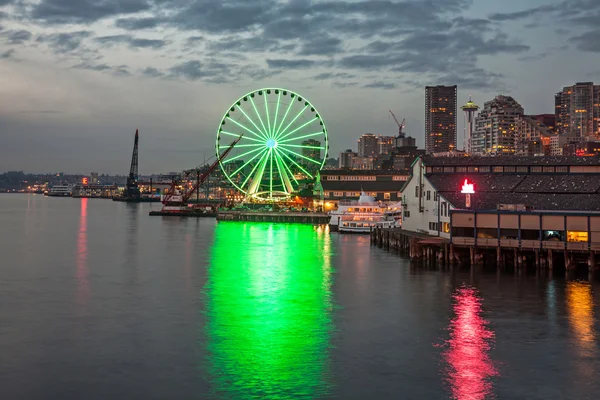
<point x="271" y="143"/>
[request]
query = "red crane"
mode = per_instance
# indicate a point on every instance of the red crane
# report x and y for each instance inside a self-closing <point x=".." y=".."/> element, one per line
<point x="175" y="201"/>
<point x="400" y="125"/>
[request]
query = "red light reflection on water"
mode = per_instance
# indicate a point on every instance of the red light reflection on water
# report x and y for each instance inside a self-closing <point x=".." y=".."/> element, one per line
<point x="469" y="363"/>
<point x="81" y="274"/>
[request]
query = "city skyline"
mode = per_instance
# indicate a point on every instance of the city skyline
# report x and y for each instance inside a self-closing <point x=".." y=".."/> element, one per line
<point x="77" y="79"/>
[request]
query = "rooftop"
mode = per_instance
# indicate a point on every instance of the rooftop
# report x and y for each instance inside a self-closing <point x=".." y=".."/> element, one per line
<point x="364" y="172"/>
<point x="510" y="160"/>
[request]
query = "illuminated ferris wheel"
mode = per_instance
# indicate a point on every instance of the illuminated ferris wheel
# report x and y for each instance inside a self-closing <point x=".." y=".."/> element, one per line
<point x="284" y="143"/>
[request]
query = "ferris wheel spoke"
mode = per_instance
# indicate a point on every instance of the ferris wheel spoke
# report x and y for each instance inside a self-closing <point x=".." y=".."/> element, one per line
<point x="286" y="167"/>
<point x="310" y="121"/>
<point x="304" y="147"/>
<point x="261" y="134"/>
<point x="297" y="165"/>
<point x="276" y="113"/>
<point x="259" y="117"/>
<point x="280" y="133"/>
<point x="300" y="137"/>
<point x="242" y="145"/>
<point x="300" y="155"/>
<point x="270" y="133"/>
<point x="289" y="107"/>
<point x="229" y="159"/>
<point x="287" y="184"/>
<point x="248" y="129"/>
<point x="248" y="162"/>
<point x="250" y="174"/>
<point x="238" y="135"/>
<point x="257" y="181"/>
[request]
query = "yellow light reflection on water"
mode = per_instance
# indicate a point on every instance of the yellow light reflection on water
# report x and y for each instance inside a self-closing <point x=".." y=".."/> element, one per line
<point x="580" y="306"/>
<point x="269" y="305"/>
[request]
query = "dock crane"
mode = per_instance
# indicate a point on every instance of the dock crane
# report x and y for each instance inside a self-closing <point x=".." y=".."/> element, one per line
<point x="400" y="125"/>
<point x="175" y="201"/>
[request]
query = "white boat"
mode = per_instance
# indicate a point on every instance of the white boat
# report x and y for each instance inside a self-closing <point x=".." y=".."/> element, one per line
<point x="365" y="214"/>
<point x="61" y="190"/>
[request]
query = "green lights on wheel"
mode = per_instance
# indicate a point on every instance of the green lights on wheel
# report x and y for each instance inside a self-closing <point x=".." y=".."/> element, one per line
<point x="284" y="142"/>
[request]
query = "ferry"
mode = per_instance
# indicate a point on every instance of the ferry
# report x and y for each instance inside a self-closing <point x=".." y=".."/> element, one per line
<point x="365" y="214"/>
<point x="61" y="190"/>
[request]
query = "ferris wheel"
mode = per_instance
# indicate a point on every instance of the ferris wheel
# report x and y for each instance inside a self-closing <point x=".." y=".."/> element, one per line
<point x="284" y="143"/>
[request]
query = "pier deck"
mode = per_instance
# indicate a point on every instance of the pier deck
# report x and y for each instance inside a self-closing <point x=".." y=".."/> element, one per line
<point x="266" y="216"/>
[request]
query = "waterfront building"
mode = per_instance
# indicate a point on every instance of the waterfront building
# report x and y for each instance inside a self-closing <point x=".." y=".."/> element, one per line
<point x="470" y="110"/>
<point x="348" y="184"/>
<point x="532" y="138"/>
<point x="577" y="110"/>
<point x="368" y="145"/>
<point x="543" y="189"/>
<point x="494" y="132"/>
<point x="440" y="118"/>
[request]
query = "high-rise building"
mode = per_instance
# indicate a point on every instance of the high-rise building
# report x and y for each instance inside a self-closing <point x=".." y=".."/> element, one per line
<point x="577" y="110"/>
<point x="440" y="118"/>
<point x="548" y="120"/>
<point x="495" y="127"/>
<point x="385" y="144"/>
<point x="368" y="145"/>
<point x="470" y="110"/>
<point x="311" y="149"/>
<point x="532" y="138"/>
<point x="346" y="158"/>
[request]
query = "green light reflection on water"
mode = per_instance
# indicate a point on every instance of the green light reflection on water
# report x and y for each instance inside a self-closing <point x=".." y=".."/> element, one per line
<point x="269" y="306"/>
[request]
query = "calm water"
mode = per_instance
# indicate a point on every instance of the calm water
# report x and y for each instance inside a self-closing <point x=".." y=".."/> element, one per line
<point x="100" y="301"/>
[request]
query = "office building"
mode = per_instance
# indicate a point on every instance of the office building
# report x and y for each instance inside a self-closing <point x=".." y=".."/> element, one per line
<point x="532" y="138"/>
<point x="312" y="149"/>
<point x="368" y="145"/>
<point x="346" y="159"/>
<point x="440" y="118"/>
<point x="385" y="144"/>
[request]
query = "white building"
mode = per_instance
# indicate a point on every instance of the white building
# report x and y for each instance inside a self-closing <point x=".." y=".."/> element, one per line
<point x="424" y="211"/>
<point x="495" y="127"/>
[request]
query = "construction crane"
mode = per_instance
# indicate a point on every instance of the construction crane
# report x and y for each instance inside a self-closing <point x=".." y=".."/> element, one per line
<point x="400" y="125"/>
<point x="176" y="199"/>
<point x="132" y="191"/>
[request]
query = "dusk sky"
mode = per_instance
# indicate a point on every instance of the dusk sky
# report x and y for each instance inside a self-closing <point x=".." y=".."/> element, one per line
<point x="77" y="77"/>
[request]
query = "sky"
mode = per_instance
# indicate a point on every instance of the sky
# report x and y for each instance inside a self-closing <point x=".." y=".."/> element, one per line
<point x="78" y="77"/>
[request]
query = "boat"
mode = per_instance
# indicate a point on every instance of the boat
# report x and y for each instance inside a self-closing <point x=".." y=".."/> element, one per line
<point x="61" y="190"/>
<point x="364" y="215"/>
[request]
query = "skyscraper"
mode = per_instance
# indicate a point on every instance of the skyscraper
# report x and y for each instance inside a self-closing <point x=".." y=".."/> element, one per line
<point x="312" y="149"/>
<point x="440" y="118"/>
<point x="368" y="145"/>
<point x="495" y="127"/>
<point x="578" y="110"/>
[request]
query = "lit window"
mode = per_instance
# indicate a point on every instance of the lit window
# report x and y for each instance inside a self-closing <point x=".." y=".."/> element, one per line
<point x="576" y="236"/>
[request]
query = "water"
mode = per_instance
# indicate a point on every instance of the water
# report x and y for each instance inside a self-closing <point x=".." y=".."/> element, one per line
<point x="98" y="300"/>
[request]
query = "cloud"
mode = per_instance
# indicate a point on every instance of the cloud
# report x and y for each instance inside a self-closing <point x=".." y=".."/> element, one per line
<point x="7" y="54"/>
<point x="195" y="70"/>
<point x="332" y="75"/>
<point x="244" y="44"/>
<point x="131" y="41"/>
<point x="380" y="85"/>
<point x="17" y="37"/>
<point x="322" y="45"/>
<point x="135" y="24"/>
<point x="85" y="11"/>
<point x="530" y="12"/>
<point x="589" y="41"/>
<point x="64" y="42"/>
<point x="152" y="72"/>
<point x="119" y="70"/>
<point x="290" y="64"/>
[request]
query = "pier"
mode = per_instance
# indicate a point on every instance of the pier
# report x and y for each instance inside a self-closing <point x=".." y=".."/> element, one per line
<point x="275" y="216"/>
<point x="462" y="251"/>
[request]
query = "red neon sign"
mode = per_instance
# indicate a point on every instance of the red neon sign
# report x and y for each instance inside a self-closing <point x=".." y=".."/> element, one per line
<point x="85" y="181"/>
<point x="468" y="188"/>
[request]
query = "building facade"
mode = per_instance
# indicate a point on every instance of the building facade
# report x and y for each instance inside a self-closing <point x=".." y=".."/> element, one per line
<point x="368" y="145"/>
<point x="386" y="144"/>
<point x="532" y="138"/>
<point x="440" y="118"/>
<point x="577" y="110"/>
<point x="346" y="158"/>
<point x="494" y="132"/>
